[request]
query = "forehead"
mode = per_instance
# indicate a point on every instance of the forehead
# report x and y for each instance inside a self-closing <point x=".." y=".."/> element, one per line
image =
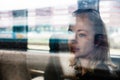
<point x="83" y="23"/>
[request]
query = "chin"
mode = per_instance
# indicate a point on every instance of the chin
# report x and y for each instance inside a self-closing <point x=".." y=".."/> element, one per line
<point x="78" y="55"/>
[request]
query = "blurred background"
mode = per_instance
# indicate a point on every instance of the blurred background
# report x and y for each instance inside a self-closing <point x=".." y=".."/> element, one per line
<point x="29" y="24"/>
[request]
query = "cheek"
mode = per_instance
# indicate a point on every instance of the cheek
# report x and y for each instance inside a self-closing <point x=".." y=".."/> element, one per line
<point x="70" y="46"/>
<point x="86" y="44"/>
<point x="90" y="41"/>
<point x="89" y="46"/>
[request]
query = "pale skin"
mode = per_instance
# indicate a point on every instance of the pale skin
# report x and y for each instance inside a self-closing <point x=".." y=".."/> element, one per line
<point x="83" y="43"/>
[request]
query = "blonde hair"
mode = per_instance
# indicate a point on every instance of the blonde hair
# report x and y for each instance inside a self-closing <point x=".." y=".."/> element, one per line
<point x="101" y="45"/>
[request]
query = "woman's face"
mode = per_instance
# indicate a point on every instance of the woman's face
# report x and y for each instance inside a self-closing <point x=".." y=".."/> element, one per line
<point x="83" y="42"/>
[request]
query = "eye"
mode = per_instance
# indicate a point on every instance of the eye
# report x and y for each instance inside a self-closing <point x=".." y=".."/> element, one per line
<point x="82" y="35"/>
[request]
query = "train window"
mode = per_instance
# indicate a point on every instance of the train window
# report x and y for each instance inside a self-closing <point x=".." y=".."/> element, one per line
<point x="81" y="38"/>
<point x="111" y="20"/>
<point x="44" y="22"/>
<point x="52" y="18"/>
<point x="56" y="19"/>
<point x="13" y="30"/>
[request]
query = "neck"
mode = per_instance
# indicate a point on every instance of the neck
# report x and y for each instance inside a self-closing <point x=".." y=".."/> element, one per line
<point x="84" y="63"/>
<point x="88" y="56"/>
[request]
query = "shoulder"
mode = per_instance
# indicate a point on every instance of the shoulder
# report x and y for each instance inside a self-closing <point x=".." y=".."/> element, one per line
<point x="102" y="66"/>
<point x="103" y="71"/>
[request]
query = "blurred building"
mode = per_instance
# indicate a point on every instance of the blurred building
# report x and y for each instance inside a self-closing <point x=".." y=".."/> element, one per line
<point x="110" y="10"/>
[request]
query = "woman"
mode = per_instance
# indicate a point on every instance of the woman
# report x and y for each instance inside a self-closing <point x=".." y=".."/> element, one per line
<point x="90" y="47"/>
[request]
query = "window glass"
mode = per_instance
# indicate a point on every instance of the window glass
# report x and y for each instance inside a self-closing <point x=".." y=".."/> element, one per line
<point x="60" y="39"/>
<point x="40" y="21"/>
<point x="110" y="10"/>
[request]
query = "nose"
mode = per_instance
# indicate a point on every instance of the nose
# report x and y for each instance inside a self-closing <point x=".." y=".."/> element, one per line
<point x="74" y="41"/>
<point x="72" y="45"/>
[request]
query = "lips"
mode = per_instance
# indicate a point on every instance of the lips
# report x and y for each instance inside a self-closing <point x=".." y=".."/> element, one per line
<point x="74" y="49"/>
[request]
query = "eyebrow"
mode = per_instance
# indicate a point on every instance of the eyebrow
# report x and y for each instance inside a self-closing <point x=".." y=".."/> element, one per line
<point x="81" y="30"/>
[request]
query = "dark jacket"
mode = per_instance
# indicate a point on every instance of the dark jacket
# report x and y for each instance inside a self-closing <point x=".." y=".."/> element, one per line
<point x="101" y="72"/>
